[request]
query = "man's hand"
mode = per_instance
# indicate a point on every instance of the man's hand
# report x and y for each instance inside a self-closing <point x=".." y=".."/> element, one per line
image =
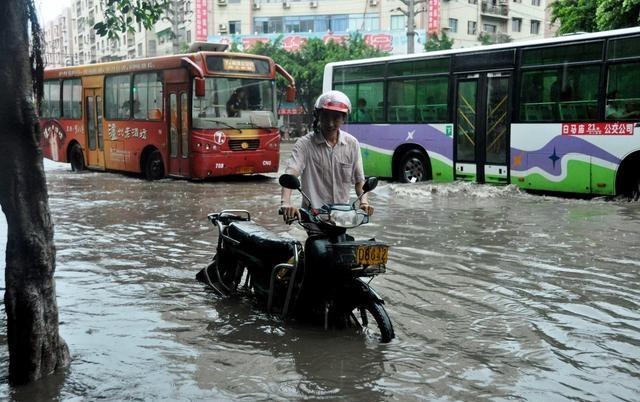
<point x="366" y="208"/>
<point x="289" y="213"/>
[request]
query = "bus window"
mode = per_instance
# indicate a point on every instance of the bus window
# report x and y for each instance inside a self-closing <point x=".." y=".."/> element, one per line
<point x="623" y="92"/>
<point x="117" y="96"/>
<point x="431" y="99"/>
<point x="624" y="47"/>
<point x="72" y="99"/>
<point x="366" y="100"/>
<point x="173" y="130"/>
<point x="371" y="71"/>
<point x="223" y="96"/>
<point x="147" y="96"/>
<point x="401" y="101"/>
<point x="50" y="106"/>
<point x="568" y="93"/>
<point x="561" y="54"/>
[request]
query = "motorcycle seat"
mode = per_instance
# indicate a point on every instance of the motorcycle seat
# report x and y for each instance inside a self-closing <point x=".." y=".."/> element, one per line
<point x="263" y="243"/>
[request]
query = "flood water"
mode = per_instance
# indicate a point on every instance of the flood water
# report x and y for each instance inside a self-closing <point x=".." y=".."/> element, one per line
<point x="494" y="295"/>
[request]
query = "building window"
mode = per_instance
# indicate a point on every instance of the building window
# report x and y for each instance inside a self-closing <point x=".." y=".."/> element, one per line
<point x="472" y="27"/>
<point x="234" y="27"/>
<point x="489" y="28"/>
<point x="535" y="27"/>
<point x="453" y="24"/>
<point x="535" y="2"/>
<point x="367" y="22"/>
<point x="398" y="22"/>
<point x="473" y="1"/>
<point x="516" y="24"/>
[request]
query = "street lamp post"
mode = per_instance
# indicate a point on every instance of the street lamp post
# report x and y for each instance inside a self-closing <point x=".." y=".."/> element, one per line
<point x="411" y="15"/>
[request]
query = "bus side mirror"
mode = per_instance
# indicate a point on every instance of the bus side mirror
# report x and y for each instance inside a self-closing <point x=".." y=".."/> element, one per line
<point x="200" y="87"/>
<point x="290" y="94"/>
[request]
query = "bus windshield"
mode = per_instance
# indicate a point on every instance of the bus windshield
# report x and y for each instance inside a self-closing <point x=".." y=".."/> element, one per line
<point x="235" y="102"/>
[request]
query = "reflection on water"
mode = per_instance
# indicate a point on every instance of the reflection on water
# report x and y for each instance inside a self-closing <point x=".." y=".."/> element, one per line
<point x="494" y="294"/>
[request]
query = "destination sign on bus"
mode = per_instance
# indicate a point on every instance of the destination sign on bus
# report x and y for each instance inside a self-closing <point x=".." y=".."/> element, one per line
<point x="597" y="128"/>
<point x="238" y="65"/>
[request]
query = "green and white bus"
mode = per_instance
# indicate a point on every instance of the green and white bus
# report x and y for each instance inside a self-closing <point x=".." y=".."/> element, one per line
<point x="560" y="114"/>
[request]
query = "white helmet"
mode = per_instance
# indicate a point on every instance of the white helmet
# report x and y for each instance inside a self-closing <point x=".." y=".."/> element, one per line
<point x="334" y="100"/>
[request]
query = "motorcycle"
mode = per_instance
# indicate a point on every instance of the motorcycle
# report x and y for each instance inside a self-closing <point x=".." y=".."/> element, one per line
<point x="322" y="281"/>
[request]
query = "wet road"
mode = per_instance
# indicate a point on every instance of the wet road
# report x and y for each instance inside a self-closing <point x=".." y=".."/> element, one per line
<point x="494" y="295"/>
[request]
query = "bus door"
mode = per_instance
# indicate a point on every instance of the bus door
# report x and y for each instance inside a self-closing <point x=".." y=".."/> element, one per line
<point x="178" y="105"/>
<point x="93" y="129"/>
<point x="482" y="127"/>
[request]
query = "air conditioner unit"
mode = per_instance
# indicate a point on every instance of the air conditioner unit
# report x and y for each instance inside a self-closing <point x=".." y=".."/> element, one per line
<point x="222" y="2"/>
<point x="256" y="5"/>
<point x="313" y="4"/>
<point x="286" y="4"/>
<point x="222" y="27"/>
<point x="373" y="3"/>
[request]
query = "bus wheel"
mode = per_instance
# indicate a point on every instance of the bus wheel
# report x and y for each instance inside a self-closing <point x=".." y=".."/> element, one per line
<point x="154" y="168"/>
<point x="76" y="158"/>
<point x="413" y="167"/>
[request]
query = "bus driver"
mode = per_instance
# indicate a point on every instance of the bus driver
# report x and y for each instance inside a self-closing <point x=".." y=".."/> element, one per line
<point x="327" y="159"/>
<point x="237" y="102"/>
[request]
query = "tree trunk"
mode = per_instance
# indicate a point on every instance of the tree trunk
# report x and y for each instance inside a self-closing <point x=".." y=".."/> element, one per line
<point x="35" y="347"/>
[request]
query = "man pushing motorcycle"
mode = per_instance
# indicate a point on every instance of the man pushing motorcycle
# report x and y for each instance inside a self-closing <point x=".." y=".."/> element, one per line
<point x="327" y="160"/>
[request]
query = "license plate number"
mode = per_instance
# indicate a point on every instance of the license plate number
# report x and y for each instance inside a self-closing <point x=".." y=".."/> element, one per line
<point x="372" y="255"/>
<point x="245" y="169"/>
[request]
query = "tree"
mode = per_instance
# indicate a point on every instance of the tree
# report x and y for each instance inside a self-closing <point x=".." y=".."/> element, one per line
<point x="35" y="346"/>
<point x="306" y="65"/>
<point x="434" y="42"/>
<point x="120" y="15"/>
<point x="594" y="15"/>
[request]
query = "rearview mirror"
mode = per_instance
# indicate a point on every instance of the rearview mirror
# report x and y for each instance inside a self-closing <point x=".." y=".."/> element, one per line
<point x="200" y="87"/>
<point x="289" y="181"/>
<point x="290" y="94"/>
<point x="370" y="184"/>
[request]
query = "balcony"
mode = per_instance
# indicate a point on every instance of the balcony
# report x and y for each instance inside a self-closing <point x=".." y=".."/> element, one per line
<point x="495" y="9"/>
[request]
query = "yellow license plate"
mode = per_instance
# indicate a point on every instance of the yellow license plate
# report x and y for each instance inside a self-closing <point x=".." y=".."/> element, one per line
<point x="244" y="170"/>
<point x="372" y="255"/>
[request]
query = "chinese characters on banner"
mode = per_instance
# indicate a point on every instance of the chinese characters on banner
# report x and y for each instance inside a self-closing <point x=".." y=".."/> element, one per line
<point x="434" y="17"/>
<point x="201" y="20"/>
<point x="597" y="128"/>
<point x="293" y="42"/>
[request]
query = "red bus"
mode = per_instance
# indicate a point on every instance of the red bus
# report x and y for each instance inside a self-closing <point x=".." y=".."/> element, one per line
<point x="193" y="116"/>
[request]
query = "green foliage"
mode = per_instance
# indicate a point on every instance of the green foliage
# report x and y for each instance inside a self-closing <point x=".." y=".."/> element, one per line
<point x="307" y="64"/>
<point x="435" y="42"/>
<point x="121" y="15"/>
<point x="594" y="15"/>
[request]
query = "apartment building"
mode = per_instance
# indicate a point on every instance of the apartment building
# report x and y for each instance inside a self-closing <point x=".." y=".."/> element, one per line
<point x="381" y="22"/>
<point x="58" y="39"/>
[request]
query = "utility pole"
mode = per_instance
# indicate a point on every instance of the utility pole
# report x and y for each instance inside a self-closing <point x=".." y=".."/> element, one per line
<point x="411" y="15"/>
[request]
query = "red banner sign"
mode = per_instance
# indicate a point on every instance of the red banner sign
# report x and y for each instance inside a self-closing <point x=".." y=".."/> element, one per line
<point x="434" y="17"/>
<point x="201" y="20"/>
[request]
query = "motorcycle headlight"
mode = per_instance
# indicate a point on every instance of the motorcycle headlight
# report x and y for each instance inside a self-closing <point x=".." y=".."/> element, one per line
<point x="347" y="219"/>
